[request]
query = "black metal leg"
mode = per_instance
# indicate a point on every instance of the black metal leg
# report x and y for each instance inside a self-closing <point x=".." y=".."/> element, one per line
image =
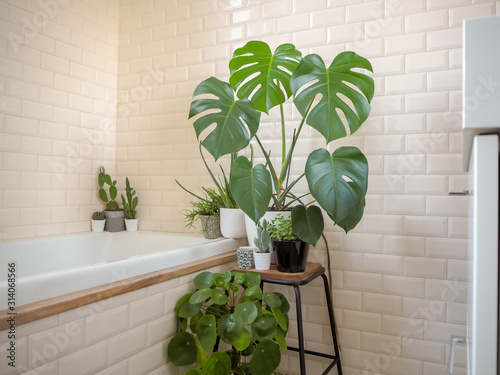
<point x="300" y="329"/>
<point x="332" y="322"/>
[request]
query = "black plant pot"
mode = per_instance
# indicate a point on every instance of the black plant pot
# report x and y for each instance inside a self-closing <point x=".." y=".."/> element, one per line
<point x="290" y="255"/>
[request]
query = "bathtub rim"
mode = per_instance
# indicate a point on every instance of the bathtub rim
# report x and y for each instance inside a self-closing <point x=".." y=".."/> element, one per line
<point x="52" y="306"/>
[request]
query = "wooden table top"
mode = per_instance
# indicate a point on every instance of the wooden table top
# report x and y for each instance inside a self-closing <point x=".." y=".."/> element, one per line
<point x="273" y="273"/>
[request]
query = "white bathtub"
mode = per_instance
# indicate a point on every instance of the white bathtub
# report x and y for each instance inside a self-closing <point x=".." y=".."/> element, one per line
<point x="51" y="267"/>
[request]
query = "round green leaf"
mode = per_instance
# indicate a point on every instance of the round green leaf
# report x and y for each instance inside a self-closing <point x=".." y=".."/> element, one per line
<point x="206" y="331"/>
<point x="285" y="305"/>
<point x="230" y="328"/>
<point x="219" y="297"/>
<point x="181" y="350"/>
<point x="272" y="300"/>
<point x="239" y="277"/>
<point x="186" y="309"/>
<point x="251" y="187"/>
<point x="352" y="219"/>
<point x="194" y="320"/>
<point x="264" y="327"/>
<point x="219" y="280"/>
<point x="203" y="280"/>
<point x="249" y="350"/>
<point x="236" y="120"/>
<point x="280" y="339"/>
<point x="312" y="79"/>
<point x="266" y="358"/>
<point x="307" y="223"/>
<point x="261" y="76"/>
<point x="243" y="341"/>
<point x="201" y="296"/>
<point x="280" y="318"/>
<point x="252" y="279"/>
<point x="254" y="293"/>
<point x="218" y="363"/>
<point x="338" y="181"/>
<point x="247" y="312"/>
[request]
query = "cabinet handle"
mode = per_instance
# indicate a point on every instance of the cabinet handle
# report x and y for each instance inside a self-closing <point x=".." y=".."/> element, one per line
<point x="455" y="340"/>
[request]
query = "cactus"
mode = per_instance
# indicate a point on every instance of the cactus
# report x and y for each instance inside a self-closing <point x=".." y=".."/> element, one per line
<point x="98" y="215"/>
<point x="130" y="204"/>
<point x="262" y="239"/>
<point x="104" y="178"/>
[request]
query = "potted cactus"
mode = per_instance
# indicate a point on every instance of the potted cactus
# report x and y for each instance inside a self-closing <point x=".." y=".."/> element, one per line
<point x="114" y="215"/>
<point x="98" y="221"/>
<point x="129" y="205"/>
<point x="262" y="256"/>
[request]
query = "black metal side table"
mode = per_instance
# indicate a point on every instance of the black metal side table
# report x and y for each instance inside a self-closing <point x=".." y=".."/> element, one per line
<point x="312" y="271"/>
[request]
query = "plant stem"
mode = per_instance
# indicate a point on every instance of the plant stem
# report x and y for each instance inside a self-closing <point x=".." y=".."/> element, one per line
<point x="283" y="136"/>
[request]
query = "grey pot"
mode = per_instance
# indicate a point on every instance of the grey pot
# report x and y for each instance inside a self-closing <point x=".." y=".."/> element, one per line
<point x="210" y="226"/>
<point x="115" y="220"/>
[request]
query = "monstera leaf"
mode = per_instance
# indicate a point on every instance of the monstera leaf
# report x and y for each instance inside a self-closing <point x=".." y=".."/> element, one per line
<point x="251" y="187"/>
<point x="339" y="88"/>
<point x="261" y="76"/>
<point x="338" y="182"/>
<point x="236" y="121"/>
<point x="307" y="223"/>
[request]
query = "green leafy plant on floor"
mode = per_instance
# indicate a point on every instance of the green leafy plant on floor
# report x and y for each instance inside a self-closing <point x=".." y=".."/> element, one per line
<point x="229" y="326"/>
<point x="334" y="100"/>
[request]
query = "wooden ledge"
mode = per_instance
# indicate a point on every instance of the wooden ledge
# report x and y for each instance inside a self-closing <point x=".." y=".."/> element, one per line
<point x="274" y="274"/>
<point x="42" y="309"/>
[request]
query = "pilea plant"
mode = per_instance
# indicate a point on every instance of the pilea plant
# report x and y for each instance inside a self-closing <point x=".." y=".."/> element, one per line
<point x="104" y="178"/>
<point x="130" y="204"/>
<point x="224" y="322"/>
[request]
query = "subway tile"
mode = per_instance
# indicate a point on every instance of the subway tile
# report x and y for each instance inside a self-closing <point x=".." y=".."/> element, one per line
<point x="11" y="105"/>
<point x="426" y="102"/>
<point x="293" y="23"/>
<point x="405" y="327"/>
<point x="89" y="360"/>
<point x="397" y="365"/>
<point x="106" y="324"/>
<point x="402" y="44"/>
<point x="426" y="61"/>
<point x="459" y="227"/>
<point x="403" y="286"/>
<point x="446" y="290"/>
<point x="382" y="263"/>
<point x="21" y="125"/>
<point x="147" y="360"/>
<point x="361" y="359"/>
<point x="327" y="17"/>
<point x="363" y="321"/>
<point x="456" y="312"/>
<point x="405" y="83"/>
<point x="431" y="185"/>
<point x="380" y="343"/>
<point x="426" y="143"/>
<point x="382" y="303"/>
<point x="447" y="248"/>
<point x="349" y="338"/>
<point x="386" y="224"/>
<point x="363" y="242"/>
<point x="447" y="206"/>
<point x="146" y="309"/>
<point x="426" y="226"/>
<point x="438" y="4"/>
<point x="441" y="331"/>
<point x="444" y="164"/>
<point x="347" y="260"/>
<point x="426" y="21"/>
<point x="404" y="205"/>
<point x="441" y="39"/>
<point x="362" y="281"/>
<point x="125" y="345"/>
<point x="459" y="270"/>
<point x="366" y="12"/>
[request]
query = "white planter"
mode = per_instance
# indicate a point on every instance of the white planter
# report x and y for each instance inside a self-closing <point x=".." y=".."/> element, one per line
<point x="98" y="225"/>
<point x="262" y="261"/>
<point x="268" y="216"/>
<point x="131" y="225"/>
<point x="232" y="223"/>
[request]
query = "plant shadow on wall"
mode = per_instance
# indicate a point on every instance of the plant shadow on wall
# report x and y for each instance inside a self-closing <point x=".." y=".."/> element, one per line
<point x="228" y="325"/>
<point x="261" y="80"/>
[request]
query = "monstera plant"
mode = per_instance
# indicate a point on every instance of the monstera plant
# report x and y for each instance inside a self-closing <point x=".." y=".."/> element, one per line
<point x="334" y="100"/>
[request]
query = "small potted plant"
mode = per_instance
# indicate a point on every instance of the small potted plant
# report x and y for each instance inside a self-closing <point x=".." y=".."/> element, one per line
<point x="290" y="252"/>
<point x="229" y="326"/>
<point x="114" y="215"/>
<point x="98" y="221"/>
<point x="262" y="256"/>
<point x="207" y="210"/>
<point x="129" y="205"/>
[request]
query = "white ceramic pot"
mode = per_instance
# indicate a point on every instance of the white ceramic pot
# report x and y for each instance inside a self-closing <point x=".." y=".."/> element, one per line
<point x="268" y="216"/>
<point x="232" y="223"/>
<point x="98" y="225"/>
<point x="131" y="225"/>
<point x="262" y="261"/>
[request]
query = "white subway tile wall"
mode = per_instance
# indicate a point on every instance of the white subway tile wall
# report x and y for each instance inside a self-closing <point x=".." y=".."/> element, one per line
<point x="110" y="83"/>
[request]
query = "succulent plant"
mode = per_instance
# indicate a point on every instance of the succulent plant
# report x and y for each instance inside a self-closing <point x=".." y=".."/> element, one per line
<point x="262" y="239"/>
<point x="104" y="178"/>
<point x="130" y="204"/>
<point x="98" y="215"/>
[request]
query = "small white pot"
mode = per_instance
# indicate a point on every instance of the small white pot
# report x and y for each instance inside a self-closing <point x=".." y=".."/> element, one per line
<point x="262" y="261"/>
<point x="131" y="224"/>
<point x="232" y="223"/>
<point x="98" y="225"/>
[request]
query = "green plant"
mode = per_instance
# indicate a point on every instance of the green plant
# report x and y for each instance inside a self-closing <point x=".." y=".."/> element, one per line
<point x="280" y="228"/>
<point x="104" y="178"/>
<point x="262" y="239"/>
<point x="209" y="206"/>
<point x="130" y="204"/>
<point x="227" y="319"/>
<point x="98" y="215"/>
<point x="261" y="80"/>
